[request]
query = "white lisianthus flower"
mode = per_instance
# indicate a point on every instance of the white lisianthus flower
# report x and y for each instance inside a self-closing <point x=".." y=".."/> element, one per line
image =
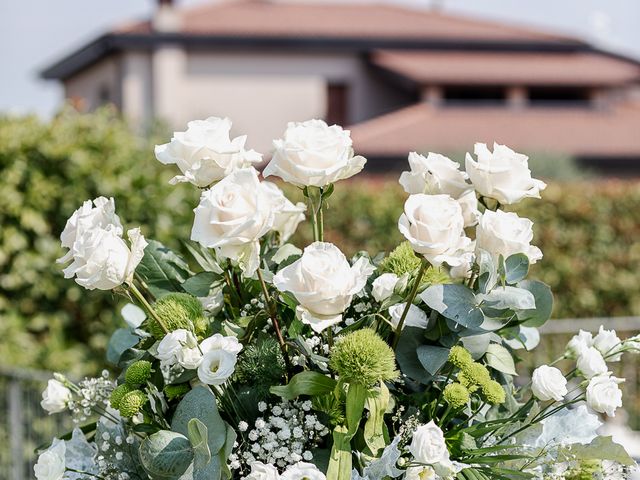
<point x="51" y="463"/>
<point x="382" y="287"/>
<point x="55" y="397"/>
<point x="219" y="342"/>
<point x="604" y="395"/>
<point x="323" y="282"/>
<point x="502" y="233"/>
<point x="502" y="174"/>
<point x="232" y="217"/>
<point x="608" y="344"/>
<point x="213" y="303"/>
<point x="548" y="383"/>
<point x="578" y="344"/>
<point x="428" y="444"/>
<point x="262" y="471"/>
<point x="313" y="154"/>
<point x="205" y="153"/>
<point x="415" y="316"/>
<point x="590" y="363"/>
<point x="179" y="347"/>
<point x="469" y="204"/>
<point x="303" y="471"/>
<point x="434" y="226"/>
<point x="420" y="473"/>
<point x="92" y="215"/>
<point x="102" y="259"/>
<point x="216" y="367"/>
<point x="288" y="215"/>
<point x="434" y="174"/>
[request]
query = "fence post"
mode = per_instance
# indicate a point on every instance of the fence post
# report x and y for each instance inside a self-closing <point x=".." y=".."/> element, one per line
<point x="16" y="429"/>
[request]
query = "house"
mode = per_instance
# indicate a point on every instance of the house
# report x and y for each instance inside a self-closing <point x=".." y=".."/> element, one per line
<point x="403" y="79"/>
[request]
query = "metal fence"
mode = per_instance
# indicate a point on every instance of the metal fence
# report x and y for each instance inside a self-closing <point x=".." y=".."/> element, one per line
<point x="24" y="425"/>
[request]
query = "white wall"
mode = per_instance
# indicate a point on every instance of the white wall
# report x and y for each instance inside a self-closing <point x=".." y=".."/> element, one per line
<point x="86" y="86"/>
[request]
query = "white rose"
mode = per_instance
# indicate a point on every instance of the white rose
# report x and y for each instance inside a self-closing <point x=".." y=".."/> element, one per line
<point x="608" y="344"/>
<point x="548" y="383"/>
<point x="323" y="282"/>
<point x="314" y="154"/>
<point x="303" y="471"/>
<point x="503" y="175"/>
<point x="55" y="397"/>
<point x="232" y="217"/>
<point x="467" y="258"/>
<point x="434" y="174"/>
<point x="181" y="347"/>
<point x="590" y="363"/>
<point x="51" y="463"/>
<point x="213" y="303"/>
<point x="383" y="286"/>
<point x="216" y="367"/>
<point x="604" y="395"/>
<point x="102" y="259"/>
<point x="434" y="226"/>
<point x="502" y="233"/>
<point x="428" y="444"/>
<point x="219" y="342"/>
<point x="288" y="215"/>
<point x="415" y="316"/>
<point x="261" y="471"/>
<point x="578" y="344"/>
<point x="469" y="205"/>
<point x="92" y="215"/>
<point x="420" y="473"/>
<point x="205" y="153"/>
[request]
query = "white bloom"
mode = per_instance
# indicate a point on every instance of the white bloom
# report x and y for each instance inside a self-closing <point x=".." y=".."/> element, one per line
<point x="579" y="343"/>
<point x="92" y="215"/>
<point x="314" y="154"/>
<point x="303" y="471"/>
<point x="51" y="463"/>
<point x="548" y="383"/>
<point x="219" y="342"/>
<point x="469" y="204"/>
<point x="428" y="445"/>
<point x="261" y="471"/>
<point x="415" y="316"/>
<point x="288" y="215"/>
<point x="434" y="226"/>
<point x="503" y="175"/>
<point x="323" y="283"/>
<point x="181" y="347"/>
<point x="383" y="286"/>
<point x="608" y="343"/>
<point x="434" y="174"/>
<point x="205" y="153"/>
<point x="590" y="363"/>
<point x="467" y="258"/>
<point x="604" y="395"/>
<point x="55" y="397"/>
<point x="420" y="473"/>
<point x="213" y="303"/>
<point x="502" y="233"/>
<point x="216" y="367"/>
<point x="133" y="315"/>
<point x="232" y="217"/>
<point x="102" y="259"/>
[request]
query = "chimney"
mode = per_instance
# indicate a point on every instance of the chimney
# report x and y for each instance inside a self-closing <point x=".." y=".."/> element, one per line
<point x="166" y="18"/>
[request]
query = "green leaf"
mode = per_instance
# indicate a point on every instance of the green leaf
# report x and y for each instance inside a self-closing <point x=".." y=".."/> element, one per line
<point x="224" y="453"/>
<point x="432" y="358"/>
<point x="121" y="341"/>
<point x="200" y="403"/>
<point x="200" y="284"/>
<point x="601" y="448"/>
<point x="411" y="339"/>
<point x="340" y="459"/>
<point x="477" y="344"/>
<point x="162" y="270"/>
<point x="374" y="427"/>
<point x="499" y="358"/>
<point x="516" y="268"/>
<point x="203" y="256"/>
<point x="285" y="251"/>
<point x="507" y="297"/>
<point x="356" y="397"/>
<point x="455" y="302"/>
<point x="544" y="303"/>
<point x="198" y="436"/>
<point x="305" y="383"/>
<point x="165" y="455"/>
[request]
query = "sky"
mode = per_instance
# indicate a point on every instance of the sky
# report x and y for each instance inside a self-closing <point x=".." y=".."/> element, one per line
<point x="34" y="33"/>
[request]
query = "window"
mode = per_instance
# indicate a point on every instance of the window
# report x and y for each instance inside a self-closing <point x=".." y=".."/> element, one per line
<point x="337" y="98"/>
<point x="474" y="95"/>
<point x="559" y="96"/>
<point x="104" y="95"/>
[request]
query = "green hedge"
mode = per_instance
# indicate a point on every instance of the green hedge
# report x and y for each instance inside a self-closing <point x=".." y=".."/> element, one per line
<point x="588" y="232"/>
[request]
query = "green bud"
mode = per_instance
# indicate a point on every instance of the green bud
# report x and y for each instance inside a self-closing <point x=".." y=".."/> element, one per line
<point x="117" y="394"/>
<point x="493" y="393"/>
<point x="138" y="373"/>
<point x="176" y="391"/>
<point x="475" y="374"/>
<point x="460" y="357"/>
<point x="132" y="403"/>
<point x="178" y="310"/>
<point x="456" y="395"/>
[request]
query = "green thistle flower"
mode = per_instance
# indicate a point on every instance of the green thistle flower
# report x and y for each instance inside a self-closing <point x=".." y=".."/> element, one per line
<point x="456" y="395"/>
<point x="178" y="310"/>
<point x="137" y="373"/>
<point x="176" y="391"/>
<point x="132" y="403"/>
<point x="493" y="393"/>
<point x="117" y="394"/>
<point x="401" y="260"/>
<point x="460" y="357"/>
<point x="363" y="357"/>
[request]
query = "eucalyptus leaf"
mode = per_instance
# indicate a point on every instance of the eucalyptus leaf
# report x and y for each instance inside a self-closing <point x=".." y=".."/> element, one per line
<point x="121" y="341"/>
<point x="516" y="268"/>
<point x="200" y="403"/>
<point x="544" y="303"/>
<point x="406" y="354"/>
<point x="455" y="302"/>
<point x="199" y="438"/>
<point x="432" y="357"/>
<point x="477" y="344"/>
<point x="507" y="297"/>
<point x="166" y="455"/>
<point x="499" y="358"/>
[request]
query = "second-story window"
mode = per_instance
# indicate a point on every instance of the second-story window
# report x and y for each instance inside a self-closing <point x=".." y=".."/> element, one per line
<point x="337" y="104"/>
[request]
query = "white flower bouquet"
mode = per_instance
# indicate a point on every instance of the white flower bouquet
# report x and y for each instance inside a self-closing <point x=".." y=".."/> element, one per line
<point x="254" y="359"/>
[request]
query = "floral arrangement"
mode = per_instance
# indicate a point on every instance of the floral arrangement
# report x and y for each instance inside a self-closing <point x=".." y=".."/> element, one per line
<point x="254" y="359"/>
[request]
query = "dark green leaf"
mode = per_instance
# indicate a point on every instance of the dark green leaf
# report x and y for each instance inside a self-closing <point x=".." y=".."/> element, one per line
<point x="305" y="383"/>
<point x="200" y="284"/>
<point x="162" y="270"/>
<point x="544" y="303"/>
<point x="432" y="358"/>
<point x="121" y="340"/>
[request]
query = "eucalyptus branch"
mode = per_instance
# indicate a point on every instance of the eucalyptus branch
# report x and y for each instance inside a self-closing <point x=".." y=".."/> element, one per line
<point x="409" y="301"/>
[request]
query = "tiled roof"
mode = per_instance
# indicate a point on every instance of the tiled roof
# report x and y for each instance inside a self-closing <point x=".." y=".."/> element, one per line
<point x="491" y="68"/>
<point x="579" y="132"/>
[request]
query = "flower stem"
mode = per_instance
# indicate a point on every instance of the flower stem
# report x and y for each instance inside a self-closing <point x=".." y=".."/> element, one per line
<point x="314" y="199"/>
<point x="409" y="301"/>
<point x="136" y="293"/>
<point x="271" y="308"/>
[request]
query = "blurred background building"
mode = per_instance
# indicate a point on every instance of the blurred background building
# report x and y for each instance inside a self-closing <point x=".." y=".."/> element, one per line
<point x="404" y="79"/>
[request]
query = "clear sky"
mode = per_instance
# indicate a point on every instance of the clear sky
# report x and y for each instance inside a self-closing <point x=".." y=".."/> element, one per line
<point x="33" y="33"/>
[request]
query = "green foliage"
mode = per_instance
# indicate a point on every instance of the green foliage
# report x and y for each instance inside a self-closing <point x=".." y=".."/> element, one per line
<point x="362" y="357"/>
<point x="178" y="310"/>
<point x="138" y="372"/>
<point x="166" y="455"/>
<point x="132" y="402"/>
<point x="261" y="365"/>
